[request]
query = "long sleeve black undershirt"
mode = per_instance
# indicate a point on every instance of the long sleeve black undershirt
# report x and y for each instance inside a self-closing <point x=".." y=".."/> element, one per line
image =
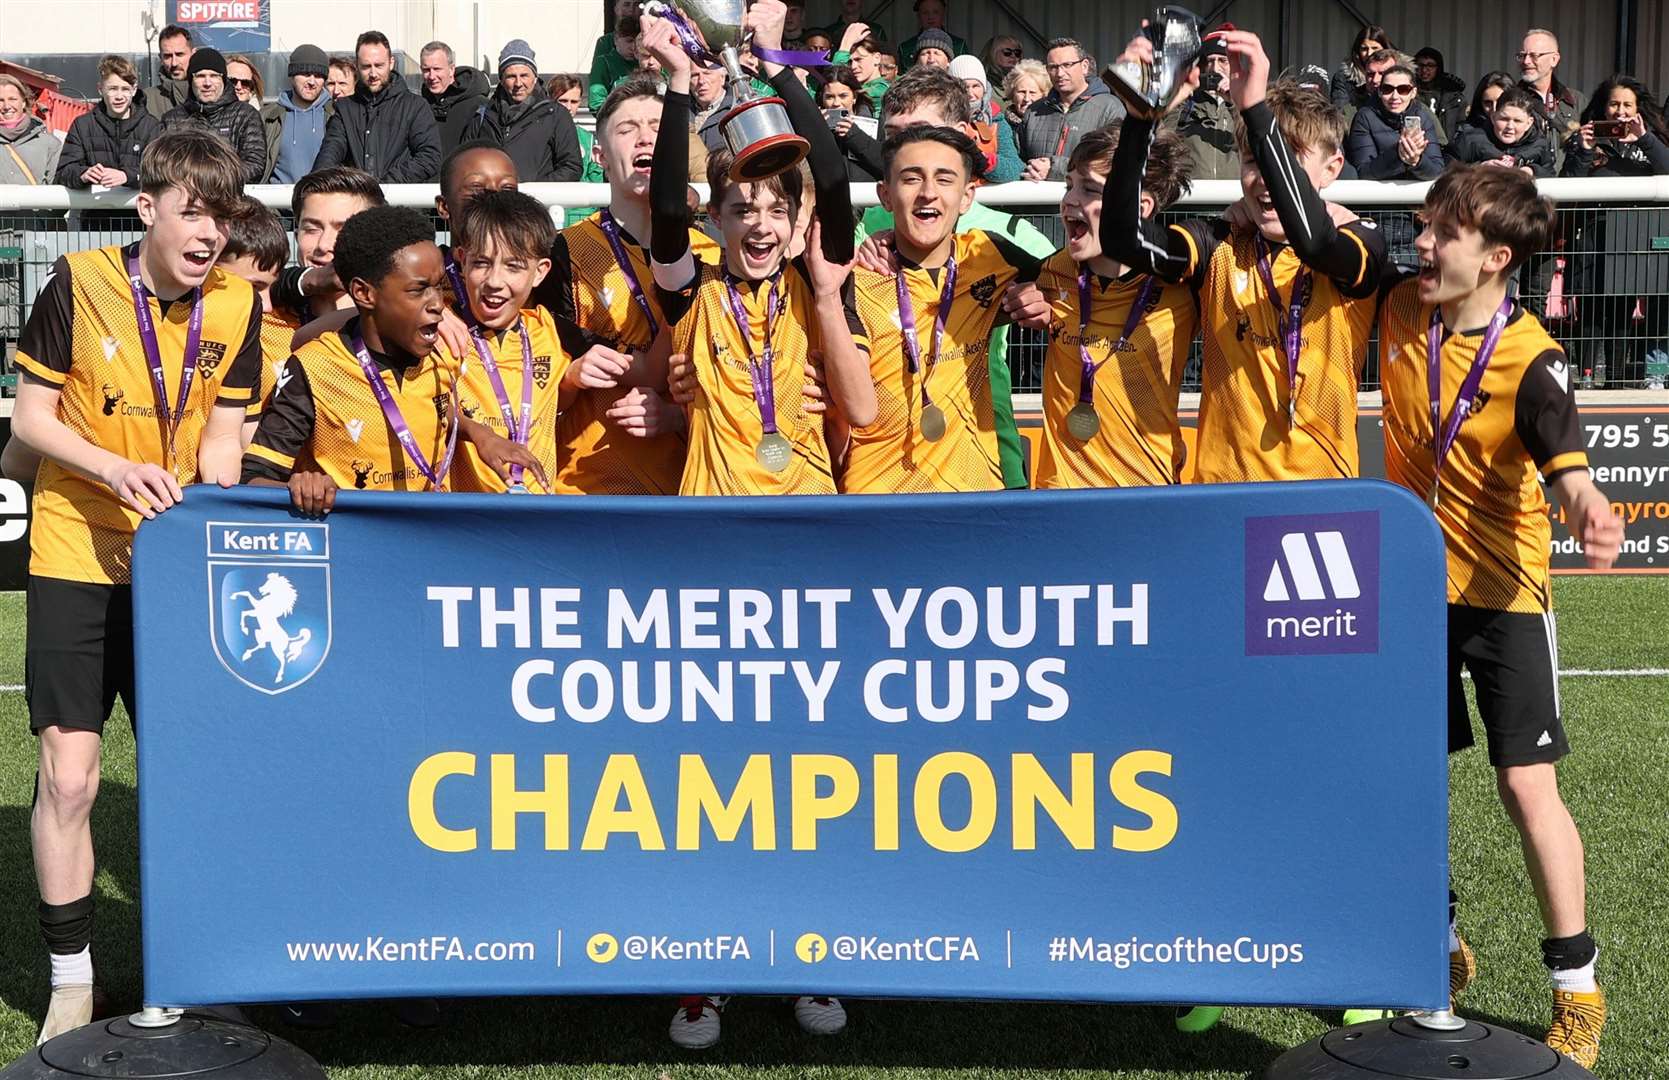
<point x="827" y="164"/>
<point x="669" y="181"/>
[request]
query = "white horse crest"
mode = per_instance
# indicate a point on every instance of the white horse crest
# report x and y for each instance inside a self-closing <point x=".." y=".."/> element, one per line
<point x="274" y="600"/>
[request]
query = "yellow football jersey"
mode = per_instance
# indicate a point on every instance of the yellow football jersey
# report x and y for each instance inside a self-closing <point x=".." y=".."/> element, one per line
<point x="1244" y="433"/>
<point x="588" y="288"/>
<point x="1523" y="420"/>
<point x="478" y="400"/>
<point x="891" y="454"/>
<point x="278" y="331"/>
<point x="1139" y="440"/>
<point x="323" y="408"/>
<point x="83" y="338"/>
<point x="725" y="424"/>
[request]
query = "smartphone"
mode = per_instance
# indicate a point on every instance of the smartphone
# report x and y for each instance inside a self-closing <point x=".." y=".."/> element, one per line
<point x="1410" y="123"/>
<point x="1610" y="129"/>
<point x="835" y="116"/>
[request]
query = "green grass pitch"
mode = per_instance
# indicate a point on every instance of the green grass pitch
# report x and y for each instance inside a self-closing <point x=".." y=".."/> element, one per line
<point x="1617" y="783"/>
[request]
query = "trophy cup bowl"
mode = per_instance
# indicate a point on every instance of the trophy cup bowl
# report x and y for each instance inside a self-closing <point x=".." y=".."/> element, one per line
<point x="1147" y="89"/>
<point x="757" y="129"/>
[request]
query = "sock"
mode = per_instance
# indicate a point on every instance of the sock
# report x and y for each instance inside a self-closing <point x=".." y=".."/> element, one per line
<point x="70" y="969"/>
<point x="1454" y="909"/>
<point x="1570" y="962"/>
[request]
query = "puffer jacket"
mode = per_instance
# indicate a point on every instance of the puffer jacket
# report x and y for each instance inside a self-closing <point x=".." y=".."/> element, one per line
<point x="235" y="121"/>
<point x="1475" y="144"/>
<point x="1051" y="130"/>
<point x="391" y="134"/>
<point x="1645" y="156"/>
<point x="454" y="107"/>
<point x="29" y="154"/>
<point x="97" y="138"/>
<point x="537" y="133"/>
<point x="1372" y="145"/>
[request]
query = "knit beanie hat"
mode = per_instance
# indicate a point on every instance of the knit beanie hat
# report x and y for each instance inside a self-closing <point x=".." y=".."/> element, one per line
<point x="516" y="52"/>
<point x="206" y="59"/>
<point x="935" y="39"/>
<point x="967" y="66"/>
<point x="308" y="60"/>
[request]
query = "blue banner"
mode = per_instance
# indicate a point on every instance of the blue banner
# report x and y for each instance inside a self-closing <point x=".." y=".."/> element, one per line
<point x="1165" y="745"/>
<point x="232" y="26"/>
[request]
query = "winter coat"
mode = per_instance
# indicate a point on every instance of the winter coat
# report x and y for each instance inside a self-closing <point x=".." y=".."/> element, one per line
<point x="390" y="134"/>
<point x="97" y="138"/>
<point x="1562" y="117"/>
<point x="29" y="154"/>
<point x="165" y="96"/>
<point x="1206" y="124"/>
<point x="1645" y="156"/>
<point x="1372" y="145"/>
<point x="537" y="133"/>
<point x="1051" y="130"/>
<point x="1009" y="166"/>
<point x="294" y="135"/>
<point x="233" y="120"/>
<point x="455" y="106"/>
<point x="1475" y="144"/>
<point x="1348" y="88"/>
<point x="1446" y="100"/>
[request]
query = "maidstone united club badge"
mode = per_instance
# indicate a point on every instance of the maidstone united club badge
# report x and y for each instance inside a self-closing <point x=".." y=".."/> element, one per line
<point x="269" y="601"/>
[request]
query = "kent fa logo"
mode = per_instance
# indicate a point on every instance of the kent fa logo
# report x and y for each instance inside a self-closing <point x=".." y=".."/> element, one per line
<point x="1312" y="584"/>
<point x="269" y="601"/>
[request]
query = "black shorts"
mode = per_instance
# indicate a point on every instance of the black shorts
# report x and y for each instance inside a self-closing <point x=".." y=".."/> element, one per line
<point x="79" y="656"/>
<point x="1514" y="661"/>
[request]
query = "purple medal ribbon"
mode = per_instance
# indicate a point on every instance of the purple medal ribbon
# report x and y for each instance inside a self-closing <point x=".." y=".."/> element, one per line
<point x="1444" y="435"/>
<point x="153" y="354"/>
<point x="1144" y="303"/>
<point x="687" y="36"/>
<point x="760" y="372"/>
<point x="800" y="58"/>
<point x="463" y="309"/>
<point x="522" y="432"/>
<point x="907" y="322"/>
<point x="397" y="423"/>
<point x="1289" y="320"/>
<point x="611" y="229"/>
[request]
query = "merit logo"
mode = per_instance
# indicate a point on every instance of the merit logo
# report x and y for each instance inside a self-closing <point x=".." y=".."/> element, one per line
<point x="1312" y="584"/>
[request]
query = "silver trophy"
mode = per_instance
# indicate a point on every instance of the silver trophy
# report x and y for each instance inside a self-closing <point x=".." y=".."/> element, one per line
<point x="1147" y="89"/>
<point x="757" y="130"/>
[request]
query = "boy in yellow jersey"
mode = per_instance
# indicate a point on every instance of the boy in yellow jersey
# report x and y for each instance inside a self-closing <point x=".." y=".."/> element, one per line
<point x="138" y="363"/>
<point x="622" y="435"/>
<point x="1478" y="402"/>
<point x="373" y="404"/>
<point x="1118" y="339"/>
<point x="930" y="317"/>
<point x="1287" y="302"/>
<point x="256" y="249"/>
<point x="749" y="325"/>
<point x="500" y="243"/>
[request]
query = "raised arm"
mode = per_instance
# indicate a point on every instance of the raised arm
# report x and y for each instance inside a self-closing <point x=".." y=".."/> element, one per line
<point x="669" y="175"/>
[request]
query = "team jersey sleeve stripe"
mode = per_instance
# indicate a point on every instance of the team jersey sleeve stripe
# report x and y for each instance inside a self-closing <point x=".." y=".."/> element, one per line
<point x="1576" y="459"/>
<point x="41" y="371"/>
<point x="1362" y="269"/>
<point x="269" y="455"/>
<point x="234" y="395"/>
<point x="1193" y="251"/>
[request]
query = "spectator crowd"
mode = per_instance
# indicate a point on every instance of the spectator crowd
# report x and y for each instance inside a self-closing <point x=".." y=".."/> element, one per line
<point x="1408" y="114"/>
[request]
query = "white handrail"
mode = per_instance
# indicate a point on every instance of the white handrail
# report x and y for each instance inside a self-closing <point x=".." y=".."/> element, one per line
<point x="1643" y="189"/>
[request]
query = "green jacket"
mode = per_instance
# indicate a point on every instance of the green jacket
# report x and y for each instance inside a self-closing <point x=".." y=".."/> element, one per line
<point x="979" y="216"/>
<point x="607" y="68"/>
<point x="593" y="174"/>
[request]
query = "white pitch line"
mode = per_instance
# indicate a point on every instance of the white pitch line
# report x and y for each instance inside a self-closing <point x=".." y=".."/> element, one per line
<point x="1568" y="673"/>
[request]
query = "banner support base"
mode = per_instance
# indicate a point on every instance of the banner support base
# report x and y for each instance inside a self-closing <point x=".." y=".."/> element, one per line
<point x="156" y="1016"/>
<point x="160" y="1042"/>
<point x="1413" y="1046"/>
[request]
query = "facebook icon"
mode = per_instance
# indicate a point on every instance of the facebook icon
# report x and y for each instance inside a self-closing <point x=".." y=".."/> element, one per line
<point x="1312" y="584"/>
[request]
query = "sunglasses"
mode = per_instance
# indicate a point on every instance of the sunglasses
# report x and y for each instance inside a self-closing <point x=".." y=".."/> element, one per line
<point x="1399" y="89"/>
<point x="244" y="84"/>
<point x="1012" y="52"/>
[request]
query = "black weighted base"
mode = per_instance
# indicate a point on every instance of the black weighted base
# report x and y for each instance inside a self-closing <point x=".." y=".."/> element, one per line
<point x="196" y="1045"/>
<point x="1403" y="1048"/>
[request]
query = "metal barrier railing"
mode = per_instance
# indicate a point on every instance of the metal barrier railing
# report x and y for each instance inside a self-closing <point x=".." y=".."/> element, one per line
<point x="1603" y="291"/>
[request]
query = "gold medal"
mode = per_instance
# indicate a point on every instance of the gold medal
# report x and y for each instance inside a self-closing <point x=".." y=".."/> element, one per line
<point x="1082" y="422"/>
<point x="774" y="452"/>
<point x="1431" y="495"/>
<point x="932" y="423"/>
